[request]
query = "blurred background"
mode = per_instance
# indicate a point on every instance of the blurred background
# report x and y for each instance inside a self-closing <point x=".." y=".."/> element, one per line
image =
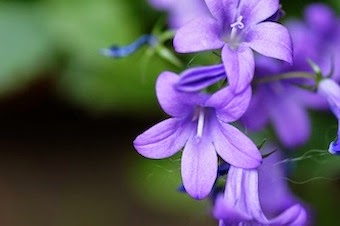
<point x="68" y="117"/>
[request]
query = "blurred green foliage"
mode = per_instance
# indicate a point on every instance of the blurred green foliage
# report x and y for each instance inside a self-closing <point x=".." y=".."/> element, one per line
<point x="63" y="38"/>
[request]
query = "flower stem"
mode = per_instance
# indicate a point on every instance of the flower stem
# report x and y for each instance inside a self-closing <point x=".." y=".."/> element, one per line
<point x="284" y="76"/>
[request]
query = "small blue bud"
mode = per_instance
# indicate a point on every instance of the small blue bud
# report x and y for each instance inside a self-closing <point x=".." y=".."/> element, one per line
<point x="334" y="148"/>
<point x="116" y="51"/>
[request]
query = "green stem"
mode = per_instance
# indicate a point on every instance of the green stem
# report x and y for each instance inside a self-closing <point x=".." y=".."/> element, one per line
<point x="289" y="75"/>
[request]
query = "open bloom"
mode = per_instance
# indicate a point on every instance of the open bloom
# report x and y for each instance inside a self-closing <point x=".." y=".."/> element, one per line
<point x="237" y="26"/>
<point x="181" y="12"/>
<point x="199" y="123"/>
<point x="259" y="197"/>
<point x="330" y="90"/>
<point x="279" y="102"/>
<point x="282" y="101"/>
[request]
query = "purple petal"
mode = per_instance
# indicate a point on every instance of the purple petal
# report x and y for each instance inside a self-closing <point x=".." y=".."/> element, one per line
<point x="163" y="139"/>
<point x="256" y="11"/>
<point x="239" y="65"/>
<point x="257" y="115"/>
<point x="295" y="215"/>
<point x="321" y="18"/>
<point x="234" y="109"/>
<point x="330" y="90"/>
<point x="229" y="106"/>
<point x="271" y="178"/>
<point x="198" y="78"/>
<point x="242" y="192"/>
<point x="242" y="197"/>
<point x="224" y="11"/>
<point x="290" y="120"/>
<point x="309" y="99"/>
<point x="224" y="210"/>
<point x="174" y="102"/>
<point x="199" y="167"/>
<point x="199" y="34"/>
<point x="234" y="147"/>
<point x="272" y="40"/>
<point x="216" y="9"/>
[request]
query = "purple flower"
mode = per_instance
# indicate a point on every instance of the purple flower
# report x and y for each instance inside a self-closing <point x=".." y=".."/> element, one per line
<point x="199" y="123"/>
<point x="259" y="197"/>
<point x="281" y="103"/>
<point x="181" y="12"/>
<point x="330" y="90"/>
<point x="324" y="25"/>
<point x="237" y="26"/>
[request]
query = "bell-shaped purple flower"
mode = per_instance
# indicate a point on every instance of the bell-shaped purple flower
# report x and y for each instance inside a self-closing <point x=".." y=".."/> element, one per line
<point x="238" y="27"/>
<point x="330" y="90"/>
<point x="199" y="123"/>
<point x="259" y="197"/>
<point x="278" y="102"/>
<point x="282" y="101"/>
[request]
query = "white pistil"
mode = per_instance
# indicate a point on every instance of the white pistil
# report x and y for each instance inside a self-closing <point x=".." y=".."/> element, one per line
<point x="200" y="123"/>
<point x="235" y="26"/>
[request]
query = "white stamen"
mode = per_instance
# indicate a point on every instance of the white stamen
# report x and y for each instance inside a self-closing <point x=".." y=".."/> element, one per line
<point x="200" y="124"/>
<point x="237" y="25"/>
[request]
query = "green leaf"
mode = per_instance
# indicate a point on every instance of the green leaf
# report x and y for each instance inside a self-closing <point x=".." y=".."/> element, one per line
<point x="24" y="46"/>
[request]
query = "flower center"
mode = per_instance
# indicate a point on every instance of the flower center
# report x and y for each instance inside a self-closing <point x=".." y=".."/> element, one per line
<point x="199" y="116"/>
<point x="237" y="25"/>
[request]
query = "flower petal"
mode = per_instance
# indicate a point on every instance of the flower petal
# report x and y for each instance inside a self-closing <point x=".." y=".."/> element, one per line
<point x="295" y="215"/>
<point x="224" y="210"/>
<point x="239" y="65"/>
<point x="234" y="147"/>
<point x="199" y="167"/>
<point x="241" y="195"/>
<point x="223" y="11"/>
<point x="163" y="139"/>
<point x="282" y="201"/>
<point x="216" y="9"/>
<point x="234" y="109"/>
<point x="321" y="18"/>
<point x="256" y="11"/>
<point x="198" y="78"/>
<point x="229" y="106"/>
<point x="291" y="121"/>
<point x="330" y="90"/>
<point x="272" y="40"/>
<point x="257" y="115"/>
<point x="202" y="33"/>
<point x="174" y="102"/>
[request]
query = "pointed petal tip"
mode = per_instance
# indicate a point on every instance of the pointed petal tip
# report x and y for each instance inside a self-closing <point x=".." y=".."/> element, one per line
<point x="197" y="194"/>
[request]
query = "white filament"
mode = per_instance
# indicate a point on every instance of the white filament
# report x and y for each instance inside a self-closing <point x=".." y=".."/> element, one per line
<point x="200" y="123"/>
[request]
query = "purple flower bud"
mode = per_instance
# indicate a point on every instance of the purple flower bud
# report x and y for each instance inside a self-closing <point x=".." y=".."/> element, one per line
<point x="330" y="90"/>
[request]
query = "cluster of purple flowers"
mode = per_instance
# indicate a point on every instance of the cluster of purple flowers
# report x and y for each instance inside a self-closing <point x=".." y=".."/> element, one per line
<point x="268" y="73"/>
